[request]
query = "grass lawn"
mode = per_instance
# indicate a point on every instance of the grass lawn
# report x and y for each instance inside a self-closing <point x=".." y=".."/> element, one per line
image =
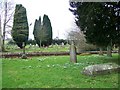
<point x="55" y="72"/>
<point x="54" y="48"/>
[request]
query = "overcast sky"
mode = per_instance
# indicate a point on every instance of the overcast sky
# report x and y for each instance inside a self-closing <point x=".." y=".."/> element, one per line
<point x="61" y="18"/>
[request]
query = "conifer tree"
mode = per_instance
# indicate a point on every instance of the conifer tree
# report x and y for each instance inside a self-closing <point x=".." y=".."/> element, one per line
<point x="43" y="31"/>
<point x="20" y="30"/>
<point x="99" y="22"/>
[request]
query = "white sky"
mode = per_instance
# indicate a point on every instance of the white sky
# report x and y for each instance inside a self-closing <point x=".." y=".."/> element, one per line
<point x="57" y="10"/>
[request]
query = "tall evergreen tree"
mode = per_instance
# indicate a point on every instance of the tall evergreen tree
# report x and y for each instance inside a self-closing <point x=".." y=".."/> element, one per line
<point x="20" y="30"/>
<point x="98" y="21"/>
<point x="48" y="28"/>
<point x="36" y="31"/>
<point x="90" y="23"/>
<point x="43" y="31"/>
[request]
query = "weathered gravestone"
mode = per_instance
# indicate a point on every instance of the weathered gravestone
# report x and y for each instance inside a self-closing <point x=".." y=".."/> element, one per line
<point x="100" y="69"/>
<point x="73" y="56"/>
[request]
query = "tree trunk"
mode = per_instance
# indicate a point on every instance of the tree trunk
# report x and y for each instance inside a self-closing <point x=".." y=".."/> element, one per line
<point x="119" y="54"/>
<point x="119" y="50"/>
<point x="23" y="47"/>
<point x="4" y="27"/>
<point x="109" y="51"/>
<point x="101" y="51"/>
<point x="73" y="56"/>
<point x="24" y="54"/>
<point x="40" y="43"/>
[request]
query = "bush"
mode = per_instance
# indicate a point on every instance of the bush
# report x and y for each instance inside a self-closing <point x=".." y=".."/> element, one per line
<point x="59" y="41"/>
<point x="87" y="47"/>
<point x="11" y="42"/>
<point x="33" y="42"/>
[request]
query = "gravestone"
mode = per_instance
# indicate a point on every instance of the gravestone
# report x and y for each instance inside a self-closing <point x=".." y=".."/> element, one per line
<point x="73" y="56"/>
<point x="62" y="44"/>
<point x="30" y="45"/>
<point x="36" y="45"/>
<point x="24" y="56"/>
<point x="100" y="69"/>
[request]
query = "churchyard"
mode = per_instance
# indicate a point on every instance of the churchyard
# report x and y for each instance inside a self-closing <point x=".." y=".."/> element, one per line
<point x="35" y="48"/>
<point x="56" y="72"/>
<point x="84" y="60"/>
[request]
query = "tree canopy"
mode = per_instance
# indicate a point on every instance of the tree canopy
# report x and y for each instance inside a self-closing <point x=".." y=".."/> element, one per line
<point x="99" y="21"/>
<point x="20" y="30"/>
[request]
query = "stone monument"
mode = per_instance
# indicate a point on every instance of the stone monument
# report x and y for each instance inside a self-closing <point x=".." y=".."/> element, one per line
<point x="73" y="56"/>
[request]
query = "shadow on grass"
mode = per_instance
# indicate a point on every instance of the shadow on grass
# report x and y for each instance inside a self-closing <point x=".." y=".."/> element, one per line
<point x="114" y="59"/>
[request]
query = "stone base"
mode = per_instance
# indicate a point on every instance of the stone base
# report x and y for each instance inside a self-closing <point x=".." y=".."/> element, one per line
<point x="24" y="56"/>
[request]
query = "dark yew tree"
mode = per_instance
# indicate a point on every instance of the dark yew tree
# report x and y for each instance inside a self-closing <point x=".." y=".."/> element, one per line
<point x="36" y="31"/>
<point x="20" y="30"/>
<point x="43" y="31"/>
<point x="98" y="22"/>
<point x="116" y="11"/>
<point x="47" y="26"/>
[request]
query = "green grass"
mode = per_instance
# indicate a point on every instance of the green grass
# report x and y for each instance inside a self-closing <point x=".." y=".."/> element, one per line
<point x="55" y="72"/>
<point x="54" y="48"/>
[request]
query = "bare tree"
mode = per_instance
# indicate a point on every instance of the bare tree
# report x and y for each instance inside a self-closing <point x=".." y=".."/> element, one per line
<point x="0" y="35"/>
<point x="4" y="25"/>
<point x="7" y="14"/>
<point x="80" y="41"/>
<point x="0" y="27"/>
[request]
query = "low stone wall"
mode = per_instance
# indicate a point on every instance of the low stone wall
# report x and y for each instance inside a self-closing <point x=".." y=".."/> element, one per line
<point x="10" y="55"/>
